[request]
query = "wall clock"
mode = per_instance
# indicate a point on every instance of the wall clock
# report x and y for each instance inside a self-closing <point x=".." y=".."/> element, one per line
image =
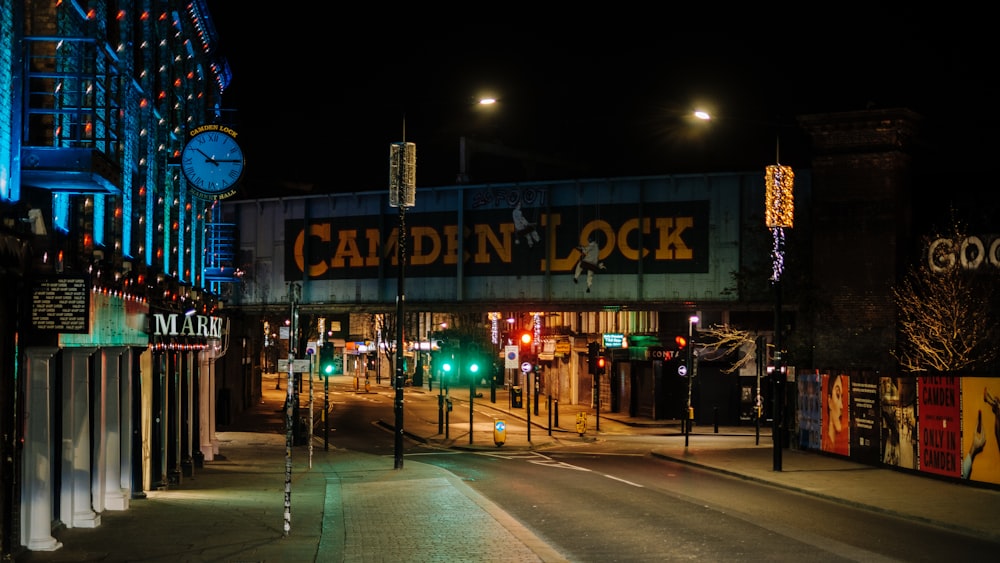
<point x="212" y="161"/>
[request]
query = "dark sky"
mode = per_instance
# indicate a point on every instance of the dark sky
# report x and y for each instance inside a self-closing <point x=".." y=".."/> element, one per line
<point x="318" y="100"/>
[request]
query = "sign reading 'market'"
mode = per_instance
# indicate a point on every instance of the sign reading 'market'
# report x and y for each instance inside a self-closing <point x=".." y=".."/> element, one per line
<point x="174" y="324"/>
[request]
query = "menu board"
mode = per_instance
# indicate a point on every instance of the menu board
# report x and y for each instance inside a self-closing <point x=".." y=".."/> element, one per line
<point x="61" y="304"/>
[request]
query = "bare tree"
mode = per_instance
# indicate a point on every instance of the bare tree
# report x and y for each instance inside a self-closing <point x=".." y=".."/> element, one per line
<point x="720" y="341"/>
<point x="946" y="315"/>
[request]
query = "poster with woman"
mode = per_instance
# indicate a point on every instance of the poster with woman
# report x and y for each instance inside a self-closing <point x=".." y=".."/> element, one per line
<point x="836" y="431"/>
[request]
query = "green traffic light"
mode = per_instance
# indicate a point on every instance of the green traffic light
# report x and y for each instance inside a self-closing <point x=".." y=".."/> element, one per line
<point x="446" y="366"/>
<point x="328" y="369"/>
<point x="473" y="368"/>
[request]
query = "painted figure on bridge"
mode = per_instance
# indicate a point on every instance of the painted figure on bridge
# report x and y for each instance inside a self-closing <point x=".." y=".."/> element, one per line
<point x="523" y="228"/>
<point x="590" y="261"/>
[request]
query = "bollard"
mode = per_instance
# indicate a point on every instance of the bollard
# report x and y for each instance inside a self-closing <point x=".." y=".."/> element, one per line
<point x="555" y="412"/>
<point x="581" y="423"/>
<point x="715" y="415"/>
<point x="499" y="432"/>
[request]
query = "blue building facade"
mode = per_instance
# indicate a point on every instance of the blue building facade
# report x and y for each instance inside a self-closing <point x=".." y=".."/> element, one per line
<point x="103" y="247"/>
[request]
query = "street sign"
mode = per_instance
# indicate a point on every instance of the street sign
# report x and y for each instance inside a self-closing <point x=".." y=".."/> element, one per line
<point x="510" y="356"/>
<point x="298" y="366"/>
<point x="682" y="370"/>
<point x="526" y="367"/>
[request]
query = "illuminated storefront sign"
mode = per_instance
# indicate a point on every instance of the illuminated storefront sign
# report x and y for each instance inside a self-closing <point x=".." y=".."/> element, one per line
<point x="175" y="324"/>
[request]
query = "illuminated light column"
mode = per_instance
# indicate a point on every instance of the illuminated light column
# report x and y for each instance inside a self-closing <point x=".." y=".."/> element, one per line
<point x="402" y="194"/>
<point x="778" y="213"/>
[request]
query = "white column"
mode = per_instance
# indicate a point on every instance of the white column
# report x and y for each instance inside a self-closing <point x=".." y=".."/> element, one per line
<point x="187" y="456"/>
<point x="206" y="402"/>
<point x="76" y="504"/>
<point x="114" y="497"/>
<point x="126" y="424"/>
<point x="36" y="485"/>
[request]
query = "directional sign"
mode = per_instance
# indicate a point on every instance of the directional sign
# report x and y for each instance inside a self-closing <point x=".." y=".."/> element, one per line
<point x="682" y="370"/>
<point x="526" y="367"/>
<point x="298" y="366"/>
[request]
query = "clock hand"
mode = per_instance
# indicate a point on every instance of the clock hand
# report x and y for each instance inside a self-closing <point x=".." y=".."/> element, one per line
<point x="208" y="158"/>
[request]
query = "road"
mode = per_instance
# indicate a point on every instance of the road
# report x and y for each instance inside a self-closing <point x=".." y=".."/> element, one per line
<point x="611" y="501"/>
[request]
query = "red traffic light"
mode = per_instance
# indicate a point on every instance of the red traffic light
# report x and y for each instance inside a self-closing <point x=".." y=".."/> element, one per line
<point x="525" y="339"/>
<point x="681" y="342"/>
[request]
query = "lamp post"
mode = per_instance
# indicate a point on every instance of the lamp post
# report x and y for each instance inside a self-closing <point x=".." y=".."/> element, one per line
<point x="402" y="188"/>
<point x="692" y="320"/>
<point x="778" y="215"/>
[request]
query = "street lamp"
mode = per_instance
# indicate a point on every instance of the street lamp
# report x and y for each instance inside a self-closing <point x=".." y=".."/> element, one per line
<point x="692" y="320"/>
<point x="778" y="214"/>
<point x="486" y="104"/>
<point x="402" y="194"/>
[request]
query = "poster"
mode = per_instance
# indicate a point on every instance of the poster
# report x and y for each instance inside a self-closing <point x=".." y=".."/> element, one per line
<point x="939" y="425"/>
<point x="836" y="430"/>
<point x="981" y="429"/>
<point x="810" y="409"/>
<point x="864" y="418"/>
<point x="898" y="421"/>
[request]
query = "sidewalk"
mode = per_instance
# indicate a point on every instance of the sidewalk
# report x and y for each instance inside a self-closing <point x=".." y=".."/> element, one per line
<point x="350" y="506"/>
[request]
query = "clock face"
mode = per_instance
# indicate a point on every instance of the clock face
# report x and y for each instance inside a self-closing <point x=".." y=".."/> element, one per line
<point x="212" y="162"/>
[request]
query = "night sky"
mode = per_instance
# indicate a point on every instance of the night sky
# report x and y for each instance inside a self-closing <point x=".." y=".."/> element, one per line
<point x="319" y="96"/>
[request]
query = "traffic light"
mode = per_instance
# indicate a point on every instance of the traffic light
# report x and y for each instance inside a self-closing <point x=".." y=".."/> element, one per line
<point x="524" y="343"/>
<point x="601" y="365"/>
<point x="473" y="362"/>
<point x="446" y="364"/>
<point x="326" y="360"/>
<point x="681" y="342"/>
<point x="524" y="340"/>
<point x="592" y="350"/>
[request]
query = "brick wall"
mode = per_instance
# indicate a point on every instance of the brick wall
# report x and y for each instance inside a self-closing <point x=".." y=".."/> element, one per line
<point x="861" y="208"/>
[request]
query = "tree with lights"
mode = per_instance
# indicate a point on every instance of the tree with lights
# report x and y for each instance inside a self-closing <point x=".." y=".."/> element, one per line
<point x="947" y="311"/>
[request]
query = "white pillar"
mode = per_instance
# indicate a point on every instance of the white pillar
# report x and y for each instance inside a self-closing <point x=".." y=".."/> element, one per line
<point x="114" y="497"/>
<point x="36" y="485"/>
<point x="125" y="422"/>
<point x="187" y="456"/>
<point x="206" y="402"/>
<point x="76" y="504"/>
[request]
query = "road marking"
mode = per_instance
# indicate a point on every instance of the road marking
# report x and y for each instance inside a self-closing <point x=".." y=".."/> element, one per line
<point x="624" y="481"/>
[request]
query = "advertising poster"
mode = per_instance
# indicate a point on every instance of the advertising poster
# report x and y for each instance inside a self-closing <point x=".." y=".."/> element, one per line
<point x="981" y="429"/>
<point x="836" y="431"/>
<point x="810" y="410"/>
<point x="898" y="402"/>
<point x="864" y="418"/>
<point x="940" y="429"/>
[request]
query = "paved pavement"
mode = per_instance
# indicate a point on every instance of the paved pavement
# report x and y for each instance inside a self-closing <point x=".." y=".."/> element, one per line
<point x="353" y="507"/>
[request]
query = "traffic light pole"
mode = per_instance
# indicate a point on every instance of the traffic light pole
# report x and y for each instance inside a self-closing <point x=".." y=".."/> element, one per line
<point x="326" y="413"/>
